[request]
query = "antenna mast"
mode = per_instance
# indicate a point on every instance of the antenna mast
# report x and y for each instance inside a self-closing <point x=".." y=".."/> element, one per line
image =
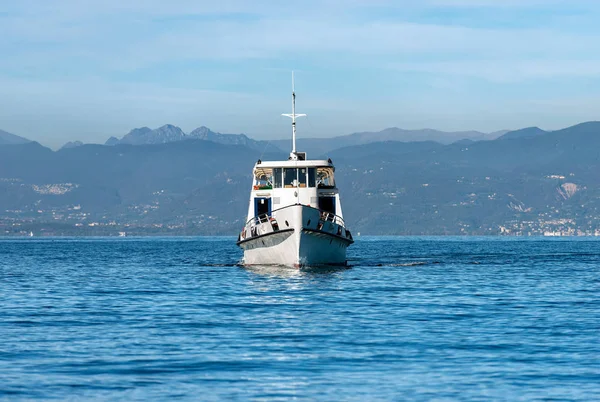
<point x="293" y="116"/>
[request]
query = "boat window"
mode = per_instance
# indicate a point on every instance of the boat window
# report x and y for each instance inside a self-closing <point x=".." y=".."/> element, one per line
<point x="268" y="178"/>
<point x="277" y="175"/>
<point x="312" y="177"/>
<point x="302" y="177"/>
<point x="263" y="179"/>
<point x="263" y="182"/>
<point x="325" y="178"/>
<point x="289" y="177"/>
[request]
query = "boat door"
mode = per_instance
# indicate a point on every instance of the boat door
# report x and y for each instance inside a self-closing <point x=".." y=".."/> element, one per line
<point x="262" y="206"/>
<point x="327" y="204"/>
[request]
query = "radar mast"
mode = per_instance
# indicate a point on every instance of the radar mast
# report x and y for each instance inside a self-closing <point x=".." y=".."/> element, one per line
<point x="293" y="155"/>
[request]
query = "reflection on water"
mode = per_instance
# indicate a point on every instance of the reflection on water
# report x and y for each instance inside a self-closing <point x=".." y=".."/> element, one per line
<point x="283" y="271"/>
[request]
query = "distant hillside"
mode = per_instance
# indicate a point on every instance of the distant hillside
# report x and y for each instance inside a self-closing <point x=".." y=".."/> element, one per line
<point x="523" y="133"/>
<point x="319" y="146"/>
<point x="7" y="138"/>
<point x="527" y="185"/>
<point x="382" y="149"/>
<point x="204" y="133"/>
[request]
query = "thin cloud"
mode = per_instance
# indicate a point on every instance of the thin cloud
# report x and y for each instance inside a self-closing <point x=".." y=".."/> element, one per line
<point x="99" y="58"/>
<point x="507" y="71"/>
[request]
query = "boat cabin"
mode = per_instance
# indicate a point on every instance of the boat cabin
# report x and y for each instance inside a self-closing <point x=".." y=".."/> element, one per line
<point x="277" y="184"/>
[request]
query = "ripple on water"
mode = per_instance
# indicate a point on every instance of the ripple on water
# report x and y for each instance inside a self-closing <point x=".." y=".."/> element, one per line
<point x="410" y="318"/>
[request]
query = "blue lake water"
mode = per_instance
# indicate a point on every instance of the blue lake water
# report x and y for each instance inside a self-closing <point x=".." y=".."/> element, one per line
<point x="412" y="318"/>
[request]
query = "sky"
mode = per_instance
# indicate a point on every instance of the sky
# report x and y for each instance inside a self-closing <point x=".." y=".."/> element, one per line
<point x="87" y="70"/>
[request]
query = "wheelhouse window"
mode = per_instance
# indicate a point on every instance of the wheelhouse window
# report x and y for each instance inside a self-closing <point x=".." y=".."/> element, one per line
<point x="295" y="177"/>
<point x="312" y="177"/>
<point x="269" y="178"/>
<point x="277" y="176"/>
<point x="263" y="179"/>
<point x="325" y="178"/>
<point x="290" y="177"/>
<point x="302" y="177"/>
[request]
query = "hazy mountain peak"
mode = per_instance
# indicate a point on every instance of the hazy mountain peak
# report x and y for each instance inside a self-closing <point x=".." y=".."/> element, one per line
<point x="171" y="133"/>
<point x="168" y="127"/>
<point x="205" y="133"/>
<point x="72" y="144"/>
<point x="201" y="132"/>
<point x="528" y="132"/>
<point x="137" y="136"/>
<point x="145" y="135"/>
<point x="139" y="131"/>
<point x="112" y="141"/>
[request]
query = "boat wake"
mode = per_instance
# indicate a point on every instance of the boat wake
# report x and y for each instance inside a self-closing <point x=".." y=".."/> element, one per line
<point x="392" y="264"/>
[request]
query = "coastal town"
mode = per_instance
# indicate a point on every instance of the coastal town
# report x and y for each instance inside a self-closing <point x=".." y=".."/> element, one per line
<point x="147" y="219"/>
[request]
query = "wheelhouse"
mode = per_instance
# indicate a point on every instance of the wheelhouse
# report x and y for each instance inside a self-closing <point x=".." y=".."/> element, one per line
<point x="268" y="178"/>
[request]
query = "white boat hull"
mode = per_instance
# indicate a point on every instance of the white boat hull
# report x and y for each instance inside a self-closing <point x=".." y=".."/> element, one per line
<point x="302" y="239"/>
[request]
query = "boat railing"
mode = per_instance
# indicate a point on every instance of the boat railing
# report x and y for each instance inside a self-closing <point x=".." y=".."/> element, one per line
<point x="325" y="216"/>
<point x="254" y="226"/>
<point x="264" y="218"/>
<point x="331" y="217"/>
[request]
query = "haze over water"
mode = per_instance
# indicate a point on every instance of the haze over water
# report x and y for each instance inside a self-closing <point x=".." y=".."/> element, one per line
<point x="412" y="318"/>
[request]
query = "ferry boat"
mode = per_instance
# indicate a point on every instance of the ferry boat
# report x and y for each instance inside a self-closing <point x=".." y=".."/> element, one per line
<point x="295" y="216"/>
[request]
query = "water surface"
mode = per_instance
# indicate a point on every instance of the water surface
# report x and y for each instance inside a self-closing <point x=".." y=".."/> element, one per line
<point x="412" y="318"/>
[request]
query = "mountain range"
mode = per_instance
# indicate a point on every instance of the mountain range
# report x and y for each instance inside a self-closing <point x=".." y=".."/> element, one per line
<point x="169" y="133"/>
<point x="313" y="146"/>
<point x="319" y="146"/>
<point x="527" y="181"/>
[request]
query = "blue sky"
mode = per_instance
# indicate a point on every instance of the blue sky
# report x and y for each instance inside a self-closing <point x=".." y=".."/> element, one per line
<point x="86" y="70"/>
